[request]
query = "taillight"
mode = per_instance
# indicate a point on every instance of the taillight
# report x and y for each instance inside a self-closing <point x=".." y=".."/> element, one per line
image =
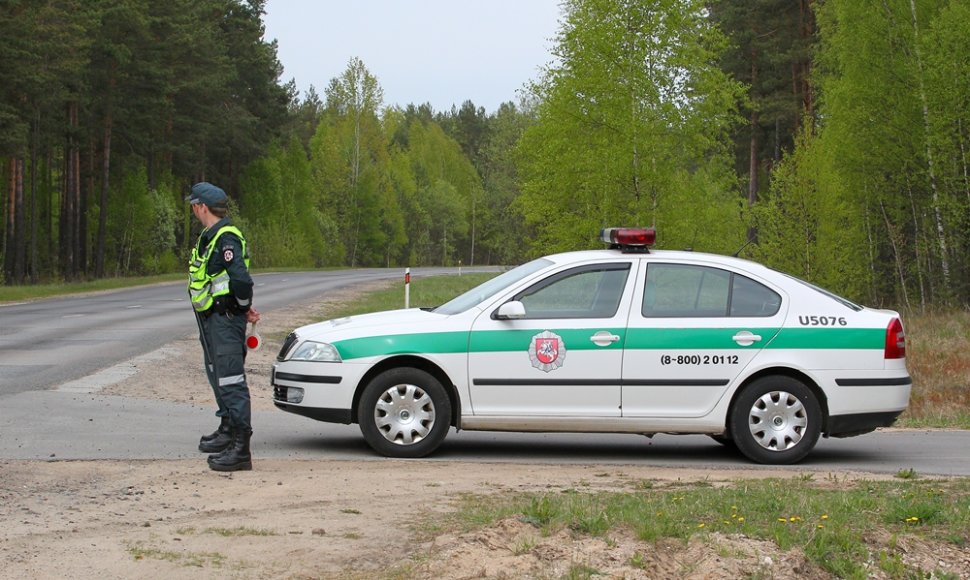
<point x="895" y="340"/>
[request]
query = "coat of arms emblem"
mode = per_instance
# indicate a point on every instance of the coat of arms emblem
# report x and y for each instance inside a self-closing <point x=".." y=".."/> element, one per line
<point x="547" y="351"/>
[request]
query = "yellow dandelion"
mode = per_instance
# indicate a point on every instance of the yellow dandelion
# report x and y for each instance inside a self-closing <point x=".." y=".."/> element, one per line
<point x="701" y="525"/>
<point x="820" y="526"/>
<point x="783" y="520"/>
<point x="741" y="520"/>
<point x="825" y="516"/>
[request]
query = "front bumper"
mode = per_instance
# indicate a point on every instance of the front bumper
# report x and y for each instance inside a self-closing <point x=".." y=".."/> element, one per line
<point x="326" y="415"/>
<point x="321" y="391"/>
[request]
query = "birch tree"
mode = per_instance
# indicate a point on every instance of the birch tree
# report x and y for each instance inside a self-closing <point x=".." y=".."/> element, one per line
<point x="350" y="159"/>
<point x="632" y="129"/>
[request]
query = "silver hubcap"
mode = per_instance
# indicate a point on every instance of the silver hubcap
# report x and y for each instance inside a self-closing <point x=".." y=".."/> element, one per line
<point x="777" y="421"/>
<point x="404" y="414"/>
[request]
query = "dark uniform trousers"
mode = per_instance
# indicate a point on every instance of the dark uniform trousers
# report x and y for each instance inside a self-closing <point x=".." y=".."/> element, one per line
<point x="225" y="336"/>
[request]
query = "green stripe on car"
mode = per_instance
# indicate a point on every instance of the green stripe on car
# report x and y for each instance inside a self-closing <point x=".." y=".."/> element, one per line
<point x="837" y="338"/>
<point x="635" y="339"/>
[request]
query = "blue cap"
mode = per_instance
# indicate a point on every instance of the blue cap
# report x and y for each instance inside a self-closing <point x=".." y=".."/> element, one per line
<point x="207" y="194"/>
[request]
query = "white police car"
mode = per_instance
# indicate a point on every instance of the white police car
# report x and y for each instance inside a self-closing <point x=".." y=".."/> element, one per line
<point x="621" y="340"/>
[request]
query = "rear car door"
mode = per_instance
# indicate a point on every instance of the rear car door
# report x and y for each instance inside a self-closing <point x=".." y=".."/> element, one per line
<point x="693" y="328"/>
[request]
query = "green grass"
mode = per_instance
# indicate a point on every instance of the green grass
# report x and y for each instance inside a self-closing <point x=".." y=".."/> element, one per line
<point x="938" y="358"/>
<point x="833" y="525"/>
<point x="14" y="293"/>
<point x="186" y="559"/>
<point x="426" y="292"/>
<point x="37" y="291"/>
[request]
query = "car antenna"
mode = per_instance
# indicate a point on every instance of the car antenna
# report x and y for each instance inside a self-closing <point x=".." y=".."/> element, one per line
<point x="690" y="248"/>
<point x="743" y="246"/>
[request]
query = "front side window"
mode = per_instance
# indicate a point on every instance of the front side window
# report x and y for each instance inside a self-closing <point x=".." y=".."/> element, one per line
<point x="584" y="292"/>
<point x="687" y="291"/>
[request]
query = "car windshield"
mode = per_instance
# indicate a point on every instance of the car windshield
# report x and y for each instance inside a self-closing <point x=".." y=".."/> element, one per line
<point x="843" y="301"/>
<point x="486" y="290"/>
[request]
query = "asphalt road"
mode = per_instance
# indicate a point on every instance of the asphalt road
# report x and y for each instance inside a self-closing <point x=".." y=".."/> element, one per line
<point x="46" y="343"/>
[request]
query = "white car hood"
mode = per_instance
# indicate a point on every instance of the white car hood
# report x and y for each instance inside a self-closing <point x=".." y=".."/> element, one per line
<point x="375" y="323"/>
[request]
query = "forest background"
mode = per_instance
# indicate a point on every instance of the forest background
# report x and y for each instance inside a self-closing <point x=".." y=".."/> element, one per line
<point x="828" y="138"/>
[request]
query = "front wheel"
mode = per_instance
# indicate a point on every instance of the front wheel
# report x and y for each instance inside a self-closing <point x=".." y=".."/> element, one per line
<point x="776" y="420"/>
<point x="404" y="412"/>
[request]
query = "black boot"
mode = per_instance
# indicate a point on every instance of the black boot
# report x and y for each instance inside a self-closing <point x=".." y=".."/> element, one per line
<point x="218" y="440"/>
<point x="223" y="427"/>
<point x="237" y="456"/>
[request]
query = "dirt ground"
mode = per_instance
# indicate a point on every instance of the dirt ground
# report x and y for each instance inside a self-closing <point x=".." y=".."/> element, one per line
<point x="337" y="519"/>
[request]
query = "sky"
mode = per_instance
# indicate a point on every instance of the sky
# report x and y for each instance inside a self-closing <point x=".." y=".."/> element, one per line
<point x="441" y="52"/>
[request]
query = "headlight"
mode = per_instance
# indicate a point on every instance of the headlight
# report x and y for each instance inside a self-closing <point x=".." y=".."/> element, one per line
<point x="316" y="352"/>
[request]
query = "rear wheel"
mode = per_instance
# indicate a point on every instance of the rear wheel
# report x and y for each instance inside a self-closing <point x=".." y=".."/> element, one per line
<point x="776" y="420"/>
<point x="404" y="412"/>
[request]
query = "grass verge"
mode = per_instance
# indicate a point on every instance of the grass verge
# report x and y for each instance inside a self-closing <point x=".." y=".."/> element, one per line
<point x="938" y="358"/>
<point x="845" y="528"/>
<point x="185" y="559"/>
<point x="38" y="291"/>
<point x="426" y="292"/>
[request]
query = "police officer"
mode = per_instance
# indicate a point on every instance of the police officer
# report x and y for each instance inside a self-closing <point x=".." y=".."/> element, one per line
<point x="221" y="291"/>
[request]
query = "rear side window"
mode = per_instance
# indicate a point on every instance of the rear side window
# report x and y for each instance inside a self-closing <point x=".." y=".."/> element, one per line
<point x="686" y="291"/>
<point x="749" y="298"/>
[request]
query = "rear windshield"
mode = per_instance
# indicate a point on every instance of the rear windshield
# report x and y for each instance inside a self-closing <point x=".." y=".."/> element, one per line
<point x="843" y="301"/>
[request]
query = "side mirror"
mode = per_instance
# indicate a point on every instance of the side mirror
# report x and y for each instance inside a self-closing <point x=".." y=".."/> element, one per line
<point x="513" y="310"/>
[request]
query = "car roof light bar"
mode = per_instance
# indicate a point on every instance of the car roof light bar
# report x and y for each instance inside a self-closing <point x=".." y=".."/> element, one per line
<point x="629" y="239"/>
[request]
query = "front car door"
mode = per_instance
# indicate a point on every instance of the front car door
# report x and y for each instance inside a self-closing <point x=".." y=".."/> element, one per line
<point x="564" y="357"/>
<point x="693" y="329"/>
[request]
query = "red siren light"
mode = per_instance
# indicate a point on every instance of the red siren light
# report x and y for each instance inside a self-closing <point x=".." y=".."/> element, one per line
<point x="630" y="239"/>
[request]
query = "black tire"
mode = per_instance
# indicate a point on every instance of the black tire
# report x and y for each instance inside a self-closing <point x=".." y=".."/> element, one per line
<point x="404" y="412"/>
<point x="776" y="420"/>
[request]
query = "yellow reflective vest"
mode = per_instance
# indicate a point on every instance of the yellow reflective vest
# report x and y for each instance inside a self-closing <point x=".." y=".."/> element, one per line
<point x="205" y="287"/>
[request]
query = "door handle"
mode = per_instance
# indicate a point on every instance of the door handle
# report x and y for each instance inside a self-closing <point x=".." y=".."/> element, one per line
<point x="745" y="338"/>
<point x="604" y="338"/>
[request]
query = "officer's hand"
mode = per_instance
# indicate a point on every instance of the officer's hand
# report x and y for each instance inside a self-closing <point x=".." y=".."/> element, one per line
<point x="252" y="316"/>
